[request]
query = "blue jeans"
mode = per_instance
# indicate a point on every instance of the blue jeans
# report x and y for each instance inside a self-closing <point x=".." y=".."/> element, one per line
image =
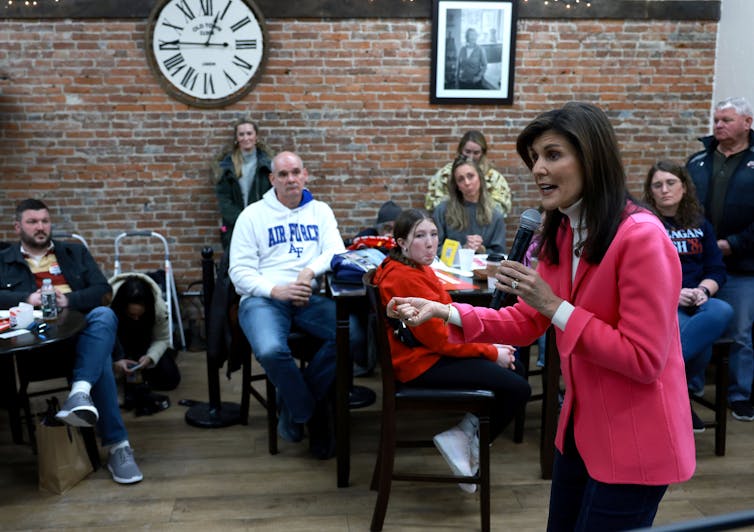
<point x="580" y="503"/>
<point x="699" y="330"/>
<point x="739" y="293"/>
<point x="267" y="323"/>
<point x="94" y="365"/>
<point x="541" y="345"/>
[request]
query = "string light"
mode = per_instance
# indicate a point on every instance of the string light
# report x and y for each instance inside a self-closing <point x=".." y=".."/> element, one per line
<point x="27" y="3"/>
<point x="568" y="4"/>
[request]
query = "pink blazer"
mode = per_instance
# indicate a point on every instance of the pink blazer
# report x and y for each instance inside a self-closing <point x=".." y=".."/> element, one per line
<point x="620" y="354"/>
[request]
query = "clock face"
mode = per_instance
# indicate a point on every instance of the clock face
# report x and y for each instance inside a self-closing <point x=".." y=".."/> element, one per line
<point x="206" y="53"/>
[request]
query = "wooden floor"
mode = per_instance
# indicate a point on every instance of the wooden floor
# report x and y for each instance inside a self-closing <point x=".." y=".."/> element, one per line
<point x="224" y="479"/>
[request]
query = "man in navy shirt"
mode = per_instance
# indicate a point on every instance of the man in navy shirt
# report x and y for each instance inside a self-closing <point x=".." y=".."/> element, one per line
<point x="723" y="173"/>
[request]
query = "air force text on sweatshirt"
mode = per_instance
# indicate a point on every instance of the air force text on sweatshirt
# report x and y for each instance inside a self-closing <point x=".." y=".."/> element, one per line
<point x="280" y="234"/>
<point x="271" y="243"/>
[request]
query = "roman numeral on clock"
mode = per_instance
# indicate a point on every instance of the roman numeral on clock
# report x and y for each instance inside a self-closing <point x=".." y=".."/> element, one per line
<point x="231" y="81"/>
<point x="174" y="63"/>
<point x="169" y="25"/>
<point x="206" y="7"/>
<point x="189" y="78"/>
<point x="169" y="45"/>
<point x="240" y="24"/>
<point x="186" y="10"/>
<point x="209" y="86"/>
<point x="250" y="44"/>
<point x="241" y="63"/>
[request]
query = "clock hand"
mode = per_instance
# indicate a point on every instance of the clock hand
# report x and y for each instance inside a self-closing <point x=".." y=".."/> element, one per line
<point x="212" y="30"/>
<point x="177" y="42"/>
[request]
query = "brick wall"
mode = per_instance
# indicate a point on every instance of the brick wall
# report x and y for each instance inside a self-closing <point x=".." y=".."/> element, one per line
<point x="86" y="127"/>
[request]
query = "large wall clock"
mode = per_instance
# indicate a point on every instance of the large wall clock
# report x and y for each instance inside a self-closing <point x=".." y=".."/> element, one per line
<point x="206" y="53"/>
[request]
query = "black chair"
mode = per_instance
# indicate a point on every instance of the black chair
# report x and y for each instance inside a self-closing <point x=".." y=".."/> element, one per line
<point x="51" y="366"/>
<point x="399" y="398"/>
<point x="303" y="348"/>
<point x="719" y="364"/>
<point x="42" y="366"/>
<point x="227" y="343"/>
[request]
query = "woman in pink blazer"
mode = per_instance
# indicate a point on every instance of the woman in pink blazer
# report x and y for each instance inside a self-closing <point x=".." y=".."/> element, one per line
<point x="608" y="280"/>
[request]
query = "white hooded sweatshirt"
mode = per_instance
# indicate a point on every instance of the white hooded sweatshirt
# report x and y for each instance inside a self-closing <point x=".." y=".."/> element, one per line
<point x="271" y="243"/>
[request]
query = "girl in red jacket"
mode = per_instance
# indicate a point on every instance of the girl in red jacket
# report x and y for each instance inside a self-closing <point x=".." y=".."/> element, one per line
<point x="432" y="361"/>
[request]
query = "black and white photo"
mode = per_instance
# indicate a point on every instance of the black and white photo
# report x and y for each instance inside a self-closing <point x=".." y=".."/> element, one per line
<point x="473" y="51"/>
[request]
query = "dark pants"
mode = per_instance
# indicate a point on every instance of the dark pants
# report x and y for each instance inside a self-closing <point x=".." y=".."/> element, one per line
<point x="511" y="390"/>
<point x="165" y="375"/>
<point x="580" y="503"/>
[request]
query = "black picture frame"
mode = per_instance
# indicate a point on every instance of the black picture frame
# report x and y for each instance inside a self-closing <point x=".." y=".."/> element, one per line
<point x="487" y="76"/>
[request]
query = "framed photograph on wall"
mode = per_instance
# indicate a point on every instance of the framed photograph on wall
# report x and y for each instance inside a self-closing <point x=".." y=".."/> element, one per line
<point x="473" y="51"/>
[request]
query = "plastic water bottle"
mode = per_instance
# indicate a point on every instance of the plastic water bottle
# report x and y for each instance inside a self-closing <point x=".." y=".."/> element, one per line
<point x="49" y="305"/>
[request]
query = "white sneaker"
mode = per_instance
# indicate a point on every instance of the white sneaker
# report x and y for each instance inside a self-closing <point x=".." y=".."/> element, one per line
<point x="469" y="424"/>
<point x="455" y="447"/>
<point x="474" y="452"/>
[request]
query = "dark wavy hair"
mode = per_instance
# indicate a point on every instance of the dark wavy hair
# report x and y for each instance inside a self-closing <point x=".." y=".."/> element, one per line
<point x="588" y="130"/>
<point x="690" y="211"/>
<point x="138" y="291"/>
<point x="404" y="224"/>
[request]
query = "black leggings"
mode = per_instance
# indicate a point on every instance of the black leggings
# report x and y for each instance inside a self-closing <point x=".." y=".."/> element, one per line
<point x="511" y="389"/>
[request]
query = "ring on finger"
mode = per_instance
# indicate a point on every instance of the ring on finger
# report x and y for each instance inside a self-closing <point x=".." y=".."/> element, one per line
<point x="514" y="284"/>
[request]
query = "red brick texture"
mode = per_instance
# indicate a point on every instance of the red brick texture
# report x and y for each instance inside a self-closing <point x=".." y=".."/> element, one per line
<point x="86" y="127"/>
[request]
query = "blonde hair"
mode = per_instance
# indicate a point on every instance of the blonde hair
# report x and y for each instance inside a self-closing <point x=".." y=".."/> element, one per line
<point x="232" y="148"/>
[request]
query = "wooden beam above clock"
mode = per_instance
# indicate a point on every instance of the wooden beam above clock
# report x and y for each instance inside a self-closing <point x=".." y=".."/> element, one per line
<point x="340" y="9"/>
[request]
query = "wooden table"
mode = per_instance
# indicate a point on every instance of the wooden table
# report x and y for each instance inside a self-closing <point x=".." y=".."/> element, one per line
<point x="349" y="298"/>
<point x="20" y="351"/>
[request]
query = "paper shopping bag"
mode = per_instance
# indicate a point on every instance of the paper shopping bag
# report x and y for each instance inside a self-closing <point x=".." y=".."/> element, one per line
<point x="61" y="454"/>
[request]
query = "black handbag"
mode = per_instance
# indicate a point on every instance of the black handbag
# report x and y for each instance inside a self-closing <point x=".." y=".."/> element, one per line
<point x="403" y="333"/>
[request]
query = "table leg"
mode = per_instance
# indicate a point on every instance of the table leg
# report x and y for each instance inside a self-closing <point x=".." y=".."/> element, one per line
<point x="343" y="369"/>
<point x="14" y="405"/>
<point x="550" y="390"/>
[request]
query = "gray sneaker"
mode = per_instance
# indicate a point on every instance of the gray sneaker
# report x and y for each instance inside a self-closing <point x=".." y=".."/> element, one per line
<point x="123" y="467"/>
<point x="78" y="411"/>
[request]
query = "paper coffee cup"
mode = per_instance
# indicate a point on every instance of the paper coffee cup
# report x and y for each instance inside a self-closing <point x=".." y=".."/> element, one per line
<point x="465" y="259"/>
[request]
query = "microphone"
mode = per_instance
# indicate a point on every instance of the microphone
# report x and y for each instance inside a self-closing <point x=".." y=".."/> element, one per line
<point x="530" y="220"/>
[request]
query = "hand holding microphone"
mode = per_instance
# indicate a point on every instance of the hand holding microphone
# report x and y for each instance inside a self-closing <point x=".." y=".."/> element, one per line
<point x="530" y="220"/>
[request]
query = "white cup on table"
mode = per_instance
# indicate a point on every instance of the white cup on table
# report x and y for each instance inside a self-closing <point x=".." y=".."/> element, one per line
<point x="465" y="259"/>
